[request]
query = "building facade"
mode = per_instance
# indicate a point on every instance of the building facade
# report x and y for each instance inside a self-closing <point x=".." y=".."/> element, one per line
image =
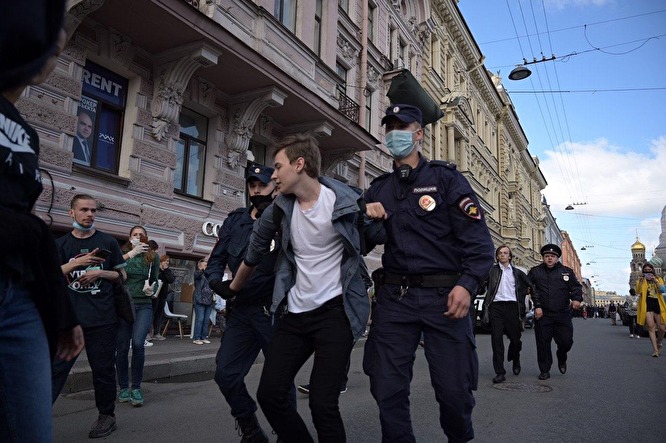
<point x="157" y="108"/>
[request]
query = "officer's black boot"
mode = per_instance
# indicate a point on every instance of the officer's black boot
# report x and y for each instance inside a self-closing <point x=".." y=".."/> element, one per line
<point x="250" y="430"/>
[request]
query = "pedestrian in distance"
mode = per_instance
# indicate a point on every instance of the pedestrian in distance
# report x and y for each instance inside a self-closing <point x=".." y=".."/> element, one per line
<point x="37" y="321"/>
<point x="319" y="294"/>
<point x="651" y="307"/>
<point x="556" y="292"/>
<point x="203" y="304"/>
<point x="631" y="308"/>
<point x="92" y="263"/>
<point x="143" y="266"/>
<point x="437" y="251"/>
<point x="504" y="309"/>
<point x="249" y="323"/>
<point x="612" y="313"/>
<point x="167" y="277"/>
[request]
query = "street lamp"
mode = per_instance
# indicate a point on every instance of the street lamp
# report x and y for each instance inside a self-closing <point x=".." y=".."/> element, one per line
<point x="571" y="206"/>
<point x="520" y="72"/>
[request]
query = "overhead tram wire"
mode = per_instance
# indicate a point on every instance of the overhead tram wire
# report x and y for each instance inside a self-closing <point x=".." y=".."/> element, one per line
<point x="568" y="28"/>
<point x="522" y="52"/>
<point x="583" y="220"/>
<point x="558" y="140"/>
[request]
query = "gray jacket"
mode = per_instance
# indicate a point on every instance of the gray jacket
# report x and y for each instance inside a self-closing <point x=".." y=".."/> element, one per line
<point x="345" y="213"/>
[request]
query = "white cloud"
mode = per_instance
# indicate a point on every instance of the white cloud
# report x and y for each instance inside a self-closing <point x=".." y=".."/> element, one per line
<point x="624" y="194"/>
<point x="610" y="179"/>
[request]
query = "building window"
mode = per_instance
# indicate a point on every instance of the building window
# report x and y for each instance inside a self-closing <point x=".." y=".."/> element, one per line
<point x="100" y="118"/>
<point x="188" y="178"/>
<point x="368" y="109"/>
<point x="342" y="73"/>
<point x="371" y="22"/>
<point x="317" y="30"/>
<point x="285" y="12"/>
<point x="344" y="4"/>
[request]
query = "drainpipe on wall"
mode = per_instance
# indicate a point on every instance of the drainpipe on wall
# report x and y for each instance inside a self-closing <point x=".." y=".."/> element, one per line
<point x="364" y="81"/>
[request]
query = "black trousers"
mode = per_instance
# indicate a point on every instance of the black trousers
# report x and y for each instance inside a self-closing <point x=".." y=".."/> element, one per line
<point x="553" y="326"/>
<point x="101" y="352"/>
<point x="504" y="319"/>
<point x="326" y="333"/>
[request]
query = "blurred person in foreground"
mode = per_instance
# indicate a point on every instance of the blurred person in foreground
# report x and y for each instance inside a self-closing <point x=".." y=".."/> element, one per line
<point x="437" y="251"/>
<point x="651" y="306"/>
<point x="556" y="292"/>
<point x="37" y="320"/>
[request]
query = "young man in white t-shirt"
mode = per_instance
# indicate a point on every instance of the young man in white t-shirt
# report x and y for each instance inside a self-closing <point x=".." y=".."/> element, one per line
<point x="319" y="295"/>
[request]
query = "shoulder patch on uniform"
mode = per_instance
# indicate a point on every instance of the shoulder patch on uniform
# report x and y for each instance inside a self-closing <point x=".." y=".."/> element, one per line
<point x="381" y="177"/>
<point x="469" y="208"/>
<point x="444" y="163"/>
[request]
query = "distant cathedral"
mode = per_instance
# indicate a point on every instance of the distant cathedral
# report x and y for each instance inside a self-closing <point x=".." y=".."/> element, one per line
<point x="638" y="258"/>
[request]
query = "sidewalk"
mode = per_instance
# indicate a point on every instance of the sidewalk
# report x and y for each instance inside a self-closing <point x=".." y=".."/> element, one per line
<point x="167" y="358"/>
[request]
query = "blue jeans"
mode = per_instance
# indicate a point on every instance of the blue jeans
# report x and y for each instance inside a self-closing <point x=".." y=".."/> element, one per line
<point x="202" y="314"/>
<point x="25" y="367"/>
<point x="101" y="352"/>
<point x="326" y="333"/>
<point x="137" y="333"/>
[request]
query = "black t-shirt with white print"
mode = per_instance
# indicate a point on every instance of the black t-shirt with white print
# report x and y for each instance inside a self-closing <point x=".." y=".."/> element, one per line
<point x="93" y="303"/>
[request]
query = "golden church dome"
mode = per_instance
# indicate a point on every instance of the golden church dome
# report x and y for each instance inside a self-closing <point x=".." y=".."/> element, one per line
<point x="638" y="245"/>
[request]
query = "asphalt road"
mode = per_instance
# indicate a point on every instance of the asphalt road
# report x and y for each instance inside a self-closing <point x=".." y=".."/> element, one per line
<point x="614" y="391"/>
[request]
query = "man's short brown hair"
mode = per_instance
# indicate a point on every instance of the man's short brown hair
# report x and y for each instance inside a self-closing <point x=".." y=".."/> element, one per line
<point x="78" y="197"/>
<point x="301" y="145"/>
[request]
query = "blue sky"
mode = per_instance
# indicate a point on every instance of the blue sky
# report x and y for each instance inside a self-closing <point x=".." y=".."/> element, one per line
<point x="601" y="137"/>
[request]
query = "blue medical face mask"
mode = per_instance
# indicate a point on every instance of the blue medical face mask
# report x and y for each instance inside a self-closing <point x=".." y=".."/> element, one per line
<point x="80" y="227"/>
<point x="399" y="143"/>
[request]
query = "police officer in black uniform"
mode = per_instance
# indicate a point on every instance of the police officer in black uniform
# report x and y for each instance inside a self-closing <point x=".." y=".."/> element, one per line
<point x="437" y="251"/>
<point x="556" y="292"/>
<point x="250" y="325"/>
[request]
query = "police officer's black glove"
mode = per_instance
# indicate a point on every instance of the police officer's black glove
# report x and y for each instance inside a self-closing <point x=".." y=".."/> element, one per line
<point x="222" y="289"/>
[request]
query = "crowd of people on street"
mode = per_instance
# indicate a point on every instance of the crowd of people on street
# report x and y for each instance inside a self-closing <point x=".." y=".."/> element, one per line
<point x="299" y="286"/>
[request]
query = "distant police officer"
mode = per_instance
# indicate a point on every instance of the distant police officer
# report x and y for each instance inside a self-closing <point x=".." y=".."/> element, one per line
<point x="437" y="251"/>
<point x="250" y="324"/>
<point x="556" y="291"/>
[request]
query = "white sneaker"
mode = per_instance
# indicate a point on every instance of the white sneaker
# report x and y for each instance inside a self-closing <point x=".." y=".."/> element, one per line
<point x="637" y="336"/>
<point x="159" y="337"/>
<point x="198" y="342"/>
<point x="631" y="335"/>
<point x="147" y="344"/>
<point x="206" y="341"/>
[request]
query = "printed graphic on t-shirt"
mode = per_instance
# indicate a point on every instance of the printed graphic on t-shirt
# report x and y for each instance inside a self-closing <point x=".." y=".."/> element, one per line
<point x="74" y="276"/>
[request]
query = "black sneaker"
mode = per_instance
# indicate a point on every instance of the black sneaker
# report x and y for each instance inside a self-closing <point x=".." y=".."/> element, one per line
<point x="104" y="426"/>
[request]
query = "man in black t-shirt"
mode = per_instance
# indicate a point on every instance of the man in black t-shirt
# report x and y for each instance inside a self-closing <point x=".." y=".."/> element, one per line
<point x="91" y="262"/>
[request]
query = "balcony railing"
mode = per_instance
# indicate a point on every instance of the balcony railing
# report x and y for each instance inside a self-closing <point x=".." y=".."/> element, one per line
<point x="347" y="106"/>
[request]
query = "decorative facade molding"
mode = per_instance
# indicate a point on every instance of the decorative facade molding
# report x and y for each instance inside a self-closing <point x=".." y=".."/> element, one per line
<point x="244" y="117"/>
<point x="347" y="50"/>
<point x="175" y="68"/>
<point x="79" y="10"/>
